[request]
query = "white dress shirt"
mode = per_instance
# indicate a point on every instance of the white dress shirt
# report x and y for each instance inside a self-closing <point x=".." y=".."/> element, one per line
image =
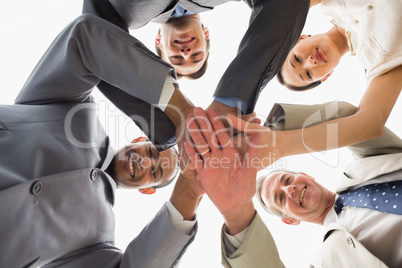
<point x="373" y="29"/>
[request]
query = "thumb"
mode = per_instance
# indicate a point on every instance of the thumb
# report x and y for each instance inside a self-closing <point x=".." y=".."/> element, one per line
<point x="244" y="126"/>
<point x="252" y="149"/>
<point x="252" y="118"/>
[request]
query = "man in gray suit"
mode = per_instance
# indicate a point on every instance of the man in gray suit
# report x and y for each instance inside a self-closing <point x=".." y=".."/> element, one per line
<point x="356" y="234"/>
<point x="56" y="187"/>
<point x="354" y="238"/>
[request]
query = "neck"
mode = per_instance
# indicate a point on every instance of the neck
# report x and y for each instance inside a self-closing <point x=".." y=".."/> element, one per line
<point x="337" y="35"/>
<point x="330" y="206"/>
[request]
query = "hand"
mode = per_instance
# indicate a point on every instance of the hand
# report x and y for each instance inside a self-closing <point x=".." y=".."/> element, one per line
<point x="178" y="109"/>
<point x="229" y="181"/>
<point x="268" y="151"/>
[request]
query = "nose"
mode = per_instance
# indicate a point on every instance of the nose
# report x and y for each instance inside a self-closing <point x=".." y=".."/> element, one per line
<point x="185" y="52"/>
<point x="290" y="190"/>
<point x="145" y="162"/>
<point x="312" y="61"/>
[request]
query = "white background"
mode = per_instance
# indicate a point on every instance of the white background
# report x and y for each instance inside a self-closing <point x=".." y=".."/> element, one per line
<point x="28" y="27"/>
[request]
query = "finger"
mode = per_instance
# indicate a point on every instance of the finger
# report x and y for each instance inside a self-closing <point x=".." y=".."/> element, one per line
<point x="252" y="118"/>
<point x="194" y="156"/>
<point x="252" y="153"/>
<point x="206" y="128"/>
<point x="244" y="126"/>
<point x="221" y="132"/>
<point x="198" y="139"/>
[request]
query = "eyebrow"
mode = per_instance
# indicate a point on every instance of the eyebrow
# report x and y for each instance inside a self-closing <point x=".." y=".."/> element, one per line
<point x="181" y="63"/>
<point x="161" y="171"/>
<point x="280" y="181"/>
<point x="301" y="77"/>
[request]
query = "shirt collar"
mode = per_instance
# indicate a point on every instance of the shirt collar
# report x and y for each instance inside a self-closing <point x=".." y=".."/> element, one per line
<point x="331" y="216"/>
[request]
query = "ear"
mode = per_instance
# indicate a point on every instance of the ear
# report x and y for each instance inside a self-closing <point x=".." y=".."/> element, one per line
<point x="140" y="139"/>
<point x="303" y="36"/>
<point x="326" y="77"/>
<point x="148" y="191"/>
<point x="305" y="174"/>
<point x="290" y="221"/>
<point x="157" y="39"/>
<point x="206" y="32"/>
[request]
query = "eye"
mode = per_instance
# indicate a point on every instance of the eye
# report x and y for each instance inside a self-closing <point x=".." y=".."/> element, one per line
<point x="150" y="151"/>
<point x="196" y="54"/>
<point x="176" y="57"/>
<point x="154" y="174"/>
<point x="308" y="74"/>
<point x="297" y="59"/>
<point x="287" y="181"/>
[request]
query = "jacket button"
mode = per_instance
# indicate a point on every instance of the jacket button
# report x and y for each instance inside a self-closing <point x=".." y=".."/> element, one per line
<point x="350" y="242"/>
<point x="93" y="175"/>
<point x="36" y="188"/>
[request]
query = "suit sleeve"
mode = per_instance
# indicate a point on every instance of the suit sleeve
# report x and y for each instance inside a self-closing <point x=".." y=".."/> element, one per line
<point x="297" y="116"/>
<point x="93" y="52"/>
<point x="274" y="28"/>
<point x="88" y="51"/>
<point x="258" y="249"/>
<point x="158" y="245"/>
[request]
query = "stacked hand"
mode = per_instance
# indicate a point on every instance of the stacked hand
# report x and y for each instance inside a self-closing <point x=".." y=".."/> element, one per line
<point x="228" y="180"/>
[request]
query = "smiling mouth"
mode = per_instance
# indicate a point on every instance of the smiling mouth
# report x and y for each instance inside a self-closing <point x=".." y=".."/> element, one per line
<point x="302" y="195"/>
<point x="319" y="55"/>
<point x="184" y="41"/>
<point x="131" y="166"/>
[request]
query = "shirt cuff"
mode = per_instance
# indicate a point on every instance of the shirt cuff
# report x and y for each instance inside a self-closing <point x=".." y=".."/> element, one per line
<point x="167" y="92"/>
<point x="236" y="240"/>
<point x="233" y="102"/>
<point x="178" y="221"/>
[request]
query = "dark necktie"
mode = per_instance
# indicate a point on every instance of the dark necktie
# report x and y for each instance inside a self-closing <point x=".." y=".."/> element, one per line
<point x="384" y="197"/>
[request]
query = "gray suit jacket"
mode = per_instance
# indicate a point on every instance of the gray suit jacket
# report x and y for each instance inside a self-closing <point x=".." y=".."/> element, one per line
<point x="56" y="197"/>
<point x="274" y="28"/>
<point x="376" y="157"/>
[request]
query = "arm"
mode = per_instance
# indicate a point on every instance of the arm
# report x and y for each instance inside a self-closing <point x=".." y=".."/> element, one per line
<point x="90" y="50"/>
<point x="229" y="182"/>
<point x="258" y="249"/>
<point x="161" y="243"/>
<point x="367" y="123"/>
<point x="274" y="28"/>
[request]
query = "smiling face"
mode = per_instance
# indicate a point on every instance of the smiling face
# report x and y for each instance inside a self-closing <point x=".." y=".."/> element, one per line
<point x="298" y="196"/>
<point x="311" y="59"/>
<point x="183" y="44"/>
<point x="140" y="165"/>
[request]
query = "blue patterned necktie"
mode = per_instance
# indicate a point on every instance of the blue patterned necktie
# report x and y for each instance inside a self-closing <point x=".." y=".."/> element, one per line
<point x="180" y="12"/>
<point x="384" y="197"/>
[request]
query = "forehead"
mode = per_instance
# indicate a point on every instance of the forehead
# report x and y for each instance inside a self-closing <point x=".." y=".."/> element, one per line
<point x="291" y="72"/>
<point x="270" y="184"/>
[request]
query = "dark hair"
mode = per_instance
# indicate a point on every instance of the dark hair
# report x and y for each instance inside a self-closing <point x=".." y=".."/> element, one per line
<point x="197" y="74"/>
<point x="296" y="88"/>
<point x="166" y="183"/>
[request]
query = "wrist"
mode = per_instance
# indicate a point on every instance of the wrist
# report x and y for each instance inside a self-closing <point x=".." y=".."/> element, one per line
<point x="184" y="198"/>
<point x="179" y="108"/>
<point x="239" y="219"/>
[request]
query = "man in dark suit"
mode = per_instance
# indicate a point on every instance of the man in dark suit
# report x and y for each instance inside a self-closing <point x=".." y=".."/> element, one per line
<point x="58" y="175"/>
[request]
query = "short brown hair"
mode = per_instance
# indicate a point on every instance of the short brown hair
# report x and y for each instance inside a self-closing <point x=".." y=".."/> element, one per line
<point x="197" y="74"/>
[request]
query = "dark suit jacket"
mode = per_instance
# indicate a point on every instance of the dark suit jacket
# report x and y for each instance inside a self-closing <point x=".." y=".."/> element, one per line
<point x="56" y="197"/>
